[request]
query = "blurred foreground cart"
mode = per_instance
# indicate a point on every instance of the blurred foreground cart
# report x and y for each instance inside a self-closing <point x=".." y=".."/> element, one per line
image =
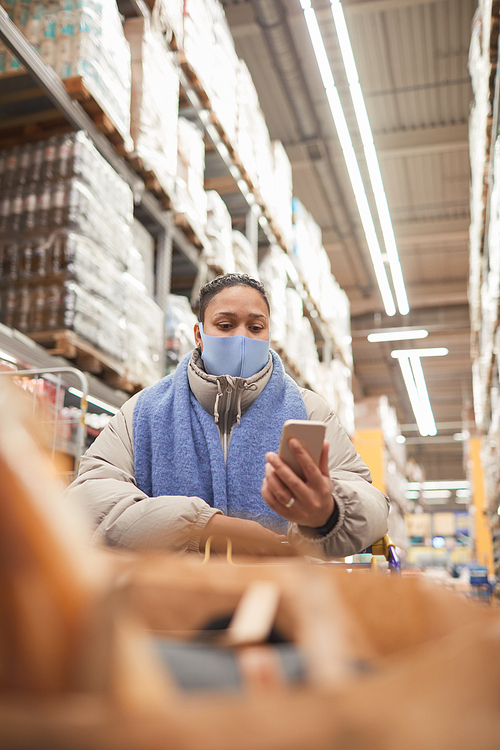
<point x="63" y="429"/>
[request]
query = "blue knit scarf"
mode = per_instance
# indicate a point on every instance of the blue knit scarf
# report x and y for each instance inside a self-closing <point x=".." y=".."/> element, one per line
<point x="177" y="448"/>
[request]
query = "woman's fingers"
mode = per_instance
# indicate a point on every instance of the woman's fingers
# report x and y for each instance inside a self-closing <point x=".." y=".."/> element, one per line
<point x="313" y="473"/>
<point x="323" y="461"/>
<point x="312" y="499"/>
<point x="291" y="513"/>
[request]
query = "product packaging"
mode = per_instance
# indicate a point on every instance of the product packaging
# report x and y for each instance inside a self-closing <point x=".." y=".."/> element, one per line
<point x="154" y="101"/>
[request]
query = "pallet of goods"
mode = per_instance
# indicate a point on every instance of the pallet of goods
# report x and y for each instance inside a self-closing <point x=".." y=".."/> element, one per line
<point x="154" y="109"/>
<point x="84" y="43"/>
<point x="65" y="249"/>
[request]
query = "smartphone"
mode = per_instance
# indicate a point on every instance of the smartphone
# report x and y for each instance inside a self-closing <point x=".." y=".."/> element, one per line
<point x="310" y="433"/>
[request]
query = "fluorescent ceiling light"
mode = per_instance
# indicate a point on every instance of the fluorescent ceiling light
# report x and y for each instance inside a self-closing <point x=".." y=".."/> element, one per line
<point x="436" y="494"/>
<point x="400" y="439"/>
<point x="412" y="494"/>
<point x="439" y="351"/>
<point x="95" y="401"/>
<point x="370" y="155"/>
<point x="423" y="394"/>
<point x="413" y="376"/>
<point x="401" y="335"/>
<point x="458" y="484"/>
<point x="8" y="358"/>
<point x="462" y="493"/>
<point x="349" y="156"/>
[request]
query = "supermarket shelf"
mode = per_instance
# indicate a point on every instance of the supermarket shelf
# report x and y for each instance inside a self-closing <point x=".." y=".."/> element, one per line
<point x="29" y="354"/>
<point x="180" y="244"/>
<point x="55" y="92"/>
<point x="226" y="174"/>
<point x="223" y="162"/>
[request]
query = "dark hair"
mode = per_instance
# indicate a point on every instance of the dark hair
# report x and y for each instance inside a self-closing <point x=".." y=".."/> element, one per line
<point x="217" y="285"/>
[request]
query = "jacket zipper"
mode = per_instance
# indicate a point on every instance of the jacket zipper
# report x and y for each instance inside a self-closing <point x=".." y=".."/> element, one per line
<point x="225" y="434"/>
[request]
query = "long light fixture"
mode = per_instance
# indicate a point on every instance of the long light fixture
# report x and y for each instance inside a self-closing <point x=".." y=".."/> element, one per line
<point x="452" y="484"/>
<point x="397" y="335"/>
<point x="413" y="375"/>
<point x="419" y="397"/>
<point x="436" y="494"/>
<point x="438" y="351"/>
<point x="349" y="156"/>
<point x="370" y="155"/>
<point x="7" y="357"/>
<point x="95" y="401"/>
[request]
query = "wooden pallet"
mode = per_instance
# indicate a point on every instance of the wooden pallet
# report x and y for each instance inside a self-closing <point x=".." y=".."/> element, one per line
<point x="193" y="79"/>
<point x="86" y="357"/>
<point x="78" y="91"/>
<point x="182" y="222"/>
<point x="151" y="181"/>
<point x="28" y="114"/>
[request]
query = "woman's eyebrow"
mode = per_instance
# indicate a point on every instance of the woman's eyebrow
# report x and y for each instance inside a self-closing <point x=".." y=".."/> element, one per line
<point x="234" y="315"/>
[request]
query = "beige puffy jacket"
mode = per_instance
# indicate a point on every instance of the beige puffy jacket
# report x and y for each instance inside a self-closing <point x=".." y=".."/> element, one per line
<point x="123" y="516"/>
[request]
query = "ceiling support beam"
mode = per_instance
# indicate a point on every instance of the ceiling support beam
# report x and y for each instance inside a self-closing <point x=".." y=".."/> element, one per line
<point x="436" y="140"/>
<point x="354" y="7"/>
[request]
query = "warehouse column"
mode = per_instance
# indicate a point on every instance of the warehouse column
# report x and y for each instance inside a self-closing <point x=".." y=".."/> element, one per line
<point x="164" y="265"/>
<point x="482" y="533"/>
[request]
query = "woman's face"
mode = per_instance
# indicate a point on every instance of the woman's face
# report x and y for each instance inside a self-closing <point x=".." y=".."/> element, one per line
<point x="236" y="311"/>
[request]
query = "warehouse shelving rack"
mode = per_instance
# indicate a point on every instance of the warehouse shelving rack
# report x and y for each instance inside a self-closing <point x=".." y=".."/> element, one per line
<point x="176" y="255"/>
<point x="226" y="174"/>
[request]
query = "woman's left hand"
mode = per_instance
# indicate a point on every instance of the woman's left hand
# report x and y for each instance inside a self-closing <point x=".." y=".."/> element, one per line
<point x="313" y="502"/>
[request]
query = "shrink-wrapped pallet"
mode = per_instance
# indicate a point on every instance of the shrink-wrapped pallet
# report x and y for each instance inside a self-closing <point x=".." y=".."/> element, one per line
<point x="479" y="69"/>
<point x="190" y="196"/>
<point x="307" y="240"/>
<point x="209" y="50"/>
<point x="283" y="192"/>
<point x="141" y="257"/>
<point x="65" y="244"/>
<point x="144" y="325"/>
<point x="335" y="309"/>
<point x="272" y="273"/>
<point x="168" y="19"/>
<point x="80" y="38"/>
<point x="342" y="378"/>
<point x="245" y="259"/>
<point x="264" y="159"/>
<point x="293" y="315"/>
<point x="179" y="329"/>
<point x="219" y="233"/>
<point x="307" y="360"/>
<point x="247" y="109"/>
<point x="154" y="101"/>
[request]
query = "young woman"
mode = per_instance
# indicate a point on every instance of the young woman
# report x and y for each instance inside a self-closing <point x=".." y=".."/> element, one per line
<point x="195" y="455"/>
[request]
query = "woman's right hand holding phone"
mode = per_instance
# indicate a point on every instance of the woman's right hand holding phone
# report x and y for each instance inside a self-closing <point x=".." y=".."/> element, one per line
<point x="308" y="502"/>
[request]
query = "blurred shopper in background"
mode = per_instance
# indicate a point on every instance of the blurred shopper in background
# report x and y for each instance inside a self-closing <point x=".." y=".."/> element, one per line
<point x="195" y="455"/>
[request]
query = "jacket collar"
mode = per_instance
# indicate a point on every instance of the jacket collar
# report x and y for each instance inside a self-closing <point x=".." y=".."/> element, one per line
<point x="211" y="390"/>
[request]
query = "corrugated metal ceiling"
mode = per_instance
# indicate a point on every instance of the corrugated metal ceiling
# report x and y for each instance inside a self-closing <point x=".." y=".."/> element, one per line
<point x="412" y="58"/>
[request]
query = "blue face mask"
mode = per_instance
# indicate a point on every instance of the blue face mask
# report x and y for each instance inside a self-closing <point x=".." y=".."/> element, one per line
<point x="238" y="356"/>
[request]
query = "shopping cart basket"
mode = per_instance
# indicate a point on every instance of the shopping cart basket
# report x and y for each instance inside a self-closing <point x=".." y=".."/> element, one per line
<point x="63" y="430"/>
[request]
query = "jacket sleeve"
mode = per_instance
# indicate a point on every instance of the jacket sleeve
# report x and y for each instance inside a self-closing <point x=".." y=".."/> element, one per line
<point x="363" y="510"/>
<point x="122" y="515"/>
